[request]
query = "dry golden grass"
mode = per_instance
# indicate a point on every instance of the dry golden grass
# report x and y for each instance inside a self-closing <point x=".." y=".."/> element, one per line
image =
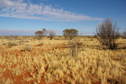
<point x="32" y="61"/>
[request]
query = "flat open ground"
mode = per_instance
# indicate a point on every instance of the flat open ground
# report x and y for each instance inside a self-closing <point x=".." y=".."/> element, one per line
<point x="31" y="61"/>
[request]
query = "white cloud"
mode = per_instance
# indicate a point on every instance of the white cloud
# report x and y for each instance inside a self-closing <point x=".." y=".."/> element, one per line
<point x="21" y="9"/>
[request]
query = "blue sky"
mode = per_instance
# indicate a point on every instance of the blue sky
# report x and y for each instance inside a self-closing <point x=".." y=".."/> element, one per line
<point x="24" y="17"/>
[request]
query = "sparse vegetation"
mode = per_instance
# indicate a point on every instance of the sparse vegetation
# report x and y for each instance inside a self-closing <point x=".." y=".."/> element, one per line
<point x="11" y="44"/>
<point x="124" y="34"/>
<point x="27" y="48"/>
<point x="57" y="42"/>
<point x="50" y="60"/>
<point x="107" y="33"/>
<point x="51" y="34"/>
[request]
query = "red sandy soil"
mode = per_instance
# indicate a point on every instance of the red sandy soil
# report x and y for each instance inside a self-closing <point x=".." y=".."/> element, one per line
<point x="20" y="79"/>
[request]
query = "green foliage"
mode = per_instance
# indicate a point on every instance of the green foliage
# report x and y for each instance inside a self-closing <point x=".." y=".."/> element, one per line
<point x="70" y="33"/>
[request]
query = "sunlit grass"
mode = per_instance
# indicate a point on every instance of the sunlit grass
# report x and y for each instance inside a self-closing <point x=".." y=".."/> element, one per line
<point x="52" y="62"/>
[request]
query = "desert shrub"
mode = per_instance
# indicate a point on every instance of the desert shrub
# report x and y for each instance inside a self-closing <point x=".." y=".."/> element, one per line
<point x="40" y="44"/>
<point x="51" y="34"/>
<point x="27" y="48"/>
<point x="11" y="44"/>
<point x="70" y="33"/>
<point x="107" y="33"/>
<point x="124" y="34"/>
